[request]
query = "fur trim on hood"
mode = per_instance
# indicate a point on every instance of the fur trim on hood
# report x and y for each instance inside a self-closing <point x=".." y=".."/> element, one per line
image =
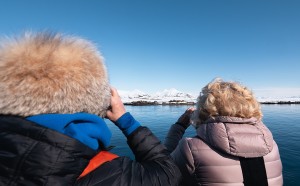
<point x="52" y="73"/>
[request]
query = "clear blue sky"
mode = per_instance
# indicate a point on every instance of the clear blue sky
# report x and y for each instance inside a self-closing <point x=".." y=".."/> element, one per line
<point x="152" y="45"/>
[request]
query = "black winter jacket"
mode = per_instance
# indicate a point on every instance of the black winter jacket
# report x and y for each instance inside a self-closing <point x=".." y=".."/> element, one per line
<point x="31" y="154"/>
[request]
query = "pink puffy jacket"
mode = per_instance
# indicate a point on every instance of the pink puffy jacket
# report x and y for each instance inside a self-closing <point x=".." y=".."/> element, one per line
<point x="212" y="157"/>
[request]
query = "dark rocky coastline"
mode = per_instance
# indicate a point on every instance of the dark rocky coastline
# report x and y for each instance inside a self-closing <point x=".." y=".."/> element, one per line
<point x="180" y="102"/>
<point x="280" y="102"/>
<point x="171" y="102"/>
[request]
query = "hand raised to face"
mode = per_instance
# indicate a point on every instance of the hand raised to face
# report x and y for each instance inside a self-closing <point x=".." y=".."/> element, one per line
<point x="117" y="106"/>
<point x="184" y="119"/>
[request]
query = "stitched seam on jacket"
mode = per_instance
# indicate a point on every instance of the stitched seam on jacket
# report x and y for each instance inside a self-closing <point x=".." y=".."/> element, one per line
<point x="24" y="158"/>
<point x="54" y="164"/>
<point x="261" y="130"/>
<point x="191" y="152"/>
<point x="229" y="143"/>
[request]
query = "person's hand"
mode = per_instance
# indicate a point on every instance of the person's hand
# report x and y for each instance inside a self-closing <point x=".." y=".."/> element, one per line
<point x="117" y="106"/>
<point x="184" y="119"/>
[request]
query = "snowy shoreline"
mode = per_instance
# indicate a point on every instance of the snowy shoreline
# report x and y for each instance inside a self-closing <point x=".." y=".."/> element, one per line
<point x="175" y="97"/>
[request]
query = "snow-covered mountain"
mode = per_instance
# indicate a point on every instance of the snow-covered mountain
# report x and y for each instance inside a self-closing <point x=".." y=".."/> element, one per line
<point x="167" y="93"/>
<point x="174" y="96"/>
<point x="135" y="94"/>
<point x="165" y="96"/>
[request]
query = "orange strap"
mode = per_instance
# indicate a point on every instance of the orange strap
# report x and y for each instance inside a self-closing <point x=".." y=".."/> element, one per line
<point x="96" y="161"/>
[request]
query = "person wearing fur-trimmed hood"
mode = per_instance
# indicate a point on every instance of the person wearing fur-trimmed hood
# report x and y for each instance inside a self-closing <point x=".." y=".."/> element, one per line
<point x="54" y="96"/>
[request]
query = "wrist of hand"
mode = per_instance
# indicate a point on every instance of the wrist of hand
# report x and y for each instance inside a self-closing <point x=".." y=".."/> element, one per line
<point x="184" y="119"/>
<point x="184" y="125"/>
<point x="127" y="123"/>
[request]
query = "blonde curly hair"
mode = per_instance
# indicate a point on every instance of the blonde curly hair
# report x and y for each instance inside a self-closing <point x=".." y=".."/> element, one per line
<point x="220" y="98"/>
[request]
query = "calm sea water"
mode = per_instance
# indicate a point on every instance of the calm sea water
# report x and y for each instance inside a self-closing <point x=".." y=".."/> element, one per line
<point x="282" y="120"/>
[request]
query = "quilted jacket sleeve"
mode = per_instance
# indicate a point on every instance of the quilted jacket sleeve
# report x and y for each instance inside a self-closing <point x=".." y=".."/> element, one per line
<point x="153" y="165"/>
<point x="183" y="157"/>
<point x="174" y="136"/>
<point x="181" y="152"/>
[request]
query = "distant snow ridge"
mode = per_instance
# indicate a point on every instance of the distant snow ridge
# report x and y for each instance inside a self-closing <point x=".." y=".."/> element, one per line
<point x="162" y="97"/>
<point x="172" y="93"/>
<point x="133" y="94"/>
<point x="173" y="96"/>
<point x="277" y="99"/>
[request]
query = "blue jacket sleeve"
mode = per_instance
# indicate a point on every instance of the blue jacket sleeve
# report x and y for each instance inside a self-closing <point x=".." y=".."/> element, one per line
<point x="127" y="123"/>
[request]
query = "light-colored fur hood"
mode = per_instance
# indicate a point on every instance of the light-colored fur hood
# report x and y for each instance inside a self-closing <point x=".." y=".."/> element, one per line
<point x="52" y="73"/>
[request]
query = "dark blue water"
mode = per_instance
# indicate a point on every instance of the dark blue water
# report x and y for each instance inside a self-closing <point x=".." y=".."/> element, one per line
<point x="282" y="120"/>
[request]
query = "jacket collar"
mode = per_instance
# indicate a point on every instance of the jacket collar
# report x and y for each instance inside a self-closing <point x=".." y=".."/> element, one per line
<point x="88" y="128"/>
<point x="237" y="136"/>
